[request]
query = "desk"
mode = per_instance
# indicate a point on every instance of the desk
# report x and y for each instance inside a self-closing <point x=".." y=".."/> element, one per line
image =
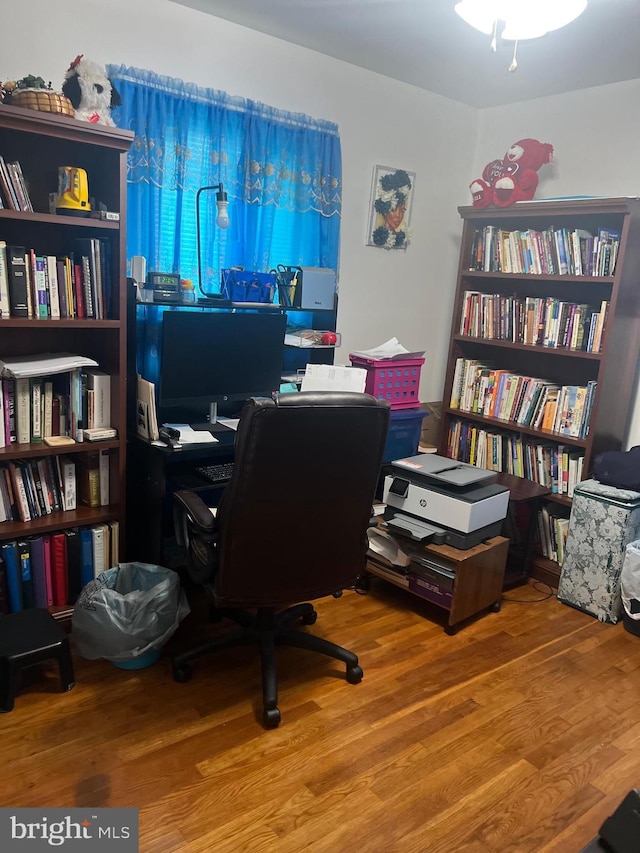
<point x="529" y="495"/>
<point x="153" y="474"/>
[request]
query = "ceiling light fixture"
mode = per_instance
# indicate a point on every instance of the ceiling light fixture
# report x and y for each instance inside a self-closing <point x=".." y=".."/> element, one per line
<point x="522" y="19"/>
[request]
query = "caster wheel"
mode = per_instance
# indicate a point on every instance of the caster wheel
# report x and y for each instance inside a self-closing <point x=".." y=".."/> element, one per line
<point x="271" y="718"/>
<point x="310" y="618"/>
<point x="182" y="673"/>
<point x="495" y="607"/>
<point x="338" y="594"/>
<point x="354" y="674"/>
<point x="451" y="630"/>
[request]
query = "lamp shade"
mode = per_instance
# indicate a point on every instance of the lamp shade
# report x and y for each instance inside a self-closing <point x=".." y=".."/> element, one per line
<point x="523" y="19"/>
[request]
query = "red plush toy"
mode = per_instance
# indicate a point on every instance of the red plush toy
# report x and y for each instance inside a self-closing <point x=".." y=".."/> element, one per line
<point x="513" y="178"/>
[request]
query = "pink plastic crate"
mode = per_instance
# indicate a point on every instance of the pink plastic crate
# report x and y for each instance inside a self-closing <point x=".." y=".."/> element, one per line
<point x="394" y="380"/>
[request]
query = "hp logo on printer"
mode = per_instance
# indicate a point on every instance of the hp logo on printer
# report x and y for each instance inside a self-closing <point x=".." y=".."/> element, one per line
<point x="423" y="502"/>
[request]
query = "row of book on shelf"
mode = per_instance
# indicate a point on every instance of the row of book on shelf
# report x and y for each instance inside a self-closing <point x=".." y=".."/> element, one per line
<point x="43" y="286"/>
<point x="14" y="194"/>
<point x="553" y="251"/>
<point x="50" y="570"/>
<point x="76" y="404"/>
<point x="34" y="488"/>
<point x="556" y="466"/>
<point x="552" y="531"/>
<point x="534" y="320"/>
<point x="529" y="401"/>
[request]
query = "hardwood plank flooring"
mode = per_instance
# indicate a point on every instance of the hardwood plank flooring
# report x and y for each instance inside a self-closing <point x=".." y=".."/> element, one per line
<point x="519" y="734"/>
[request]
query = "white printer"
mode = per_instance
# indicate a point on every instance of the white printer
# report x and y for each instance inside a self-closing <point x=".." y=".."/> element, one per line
<point x="449" y="502"/>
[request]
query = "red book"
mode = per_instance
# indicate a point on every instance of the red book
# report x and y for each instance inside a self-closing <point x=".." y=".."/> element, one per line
<point x="48" y="569"/>
<point x="77" y="289"/>
<point x="59" y="568"/>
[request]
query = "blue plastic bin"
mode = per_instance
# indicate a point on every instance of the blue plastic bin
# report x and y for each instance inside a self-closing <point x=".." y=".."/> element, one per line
<point x="403" y="436"/>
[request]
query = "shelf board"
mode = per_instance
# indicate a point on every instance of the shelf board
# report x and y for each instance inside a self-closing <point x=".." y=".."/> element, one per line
<point x="509" y="276"/>
<point x="59" y="219"/>
<point x="545" y="570"/>
<point x="563" y="500"/>
<point x="36" y="449"/>
<point x="511" y="426"/>
<point x="58" y="323"/>
<point x="61" y="612"/>
<point x="79" y="517"/>
<point x="559" y="351"/>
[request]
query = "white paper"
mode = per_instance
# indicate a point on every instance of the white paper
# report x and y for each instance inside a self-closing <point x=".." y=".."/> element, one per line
<point x="232" y="423"/>
<point x="389" y="349"/>
<point x="331" y="377"/>
<point x="45" y="364"/>
<point x="188" y="435"/>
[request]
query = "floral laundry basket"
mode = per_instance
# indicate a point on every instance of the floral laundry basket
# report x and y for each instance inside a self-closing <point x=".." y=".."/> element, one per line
<point x="604" y="520"/>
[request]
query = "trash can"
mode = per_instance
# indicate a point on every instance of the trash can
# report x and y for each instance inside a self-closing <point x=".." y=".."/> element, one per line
<point x="127" y="614"/>
<point x="630" y="588"/>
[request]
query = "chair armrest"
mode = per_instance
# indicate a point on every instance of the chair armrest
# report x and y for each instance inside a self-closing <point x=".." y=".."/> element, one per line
<point x="198" y="511"/>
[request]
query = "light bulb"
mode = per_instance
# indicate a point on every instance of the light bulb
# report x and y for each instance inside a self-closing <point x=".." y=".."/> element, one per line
<point x="222" y="219"/>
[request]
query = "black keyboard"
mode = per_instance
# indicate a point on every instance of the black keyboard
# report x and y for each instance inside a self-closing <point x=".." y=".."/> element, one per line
<point x="216" y="473"/>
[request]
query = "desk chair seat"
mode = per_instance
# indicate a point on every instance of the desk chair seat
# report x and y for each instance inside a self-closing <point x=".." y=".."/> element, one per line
<point x="291" y="526"/>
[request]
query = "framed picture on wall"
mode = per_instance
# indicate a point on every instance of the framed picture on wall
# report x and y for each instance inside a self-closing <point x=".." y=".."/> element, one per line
<point x="390" y="213"/>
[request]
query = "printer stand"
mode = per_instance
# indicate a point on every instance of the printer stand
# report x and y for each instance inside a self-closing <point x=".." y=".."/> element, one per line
<point x="462" y="582"/>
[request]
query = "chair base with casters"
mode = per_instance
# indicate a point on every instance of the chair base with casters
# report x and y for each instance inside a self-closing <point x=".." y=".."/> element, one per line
<point x="268" y="629"/>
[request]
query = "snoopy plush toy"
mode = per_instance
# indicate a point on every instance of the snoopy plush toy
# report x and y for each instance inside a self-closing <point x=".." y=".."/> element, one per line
<point x="90" y="91"/>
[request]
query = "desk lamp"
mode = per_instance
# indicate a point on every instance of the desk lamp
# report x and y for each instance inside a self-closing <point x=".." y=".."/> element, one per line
<point x="222" y="221"/>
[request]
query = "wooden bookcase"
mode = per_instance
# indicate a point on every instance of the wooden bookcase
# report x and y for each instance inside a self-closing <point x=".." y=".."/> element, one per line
<point x="42" y="142"/>
<point x="613" y="367"/>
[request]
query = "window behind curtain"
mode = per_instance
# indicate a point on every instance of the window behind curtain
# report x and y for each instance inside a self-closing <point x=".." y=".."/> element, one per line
<point x="282" y="172"/>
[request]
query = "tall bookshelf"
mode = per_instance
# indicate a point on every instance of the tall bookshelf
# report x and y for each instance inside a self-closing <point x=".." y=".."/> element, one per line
<point x="42" y="142"/>
<point x="497" y="336"/>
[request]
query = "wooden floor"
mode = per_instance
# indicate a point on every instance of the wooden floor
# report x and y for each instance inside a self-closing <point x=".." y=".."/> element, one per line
<point x="520" y="733"/>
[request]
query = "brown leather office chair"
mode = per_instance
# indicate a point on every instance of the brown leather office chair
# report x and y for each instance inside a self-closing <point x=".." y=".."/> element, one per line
<point x="291" y="525"/>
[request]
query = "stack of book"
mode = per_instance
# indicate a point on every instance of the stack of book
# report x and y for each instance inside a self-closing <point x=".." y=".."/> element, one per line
<point x="51" y="569"/>
<point x="13" y="189"/>
<point x="78" y="284"/>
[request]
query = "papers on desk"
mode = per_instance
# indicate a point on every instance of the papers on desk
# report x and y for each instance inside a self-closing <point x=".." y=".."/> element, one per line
<point x="46" y="364"/>
<point x="188" y="435"/>
<point x="146" y="417"/>
<point x="391" y="349"/>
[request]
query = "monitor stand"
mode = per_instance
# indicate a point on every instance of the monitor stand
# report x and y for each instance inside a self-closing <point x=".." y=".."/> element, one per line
<point x="212" y="425"/>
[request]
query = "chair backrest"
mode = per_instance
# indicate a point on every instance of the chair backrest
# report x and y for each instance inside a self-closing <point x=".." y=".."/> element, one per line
<point x="293" y="518"/>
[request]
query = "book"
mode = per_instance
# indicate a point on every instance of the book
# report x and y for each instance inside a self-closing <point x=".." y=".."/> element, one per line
<point x="66" y="470"/>
<point x="38" y="571"/>
<point x="86" y="553"/>
<point x="103" y="465"/>
<point x="4" y="593"/>
<point x="36" y="408"/>
<point x="48" y="568"/>
<point x="74" y="564"/>
<point x="5" y="309"/>
<point x="59" y="569"/>
<point x="16" y="267"/>
<point x="88" y="479"/>
<point x="26" y="578"/>
<point x="23" y="411"/>
<point x="9" y="551"/>
<point x="100" y="383"/>
<point x="99" y="545"/>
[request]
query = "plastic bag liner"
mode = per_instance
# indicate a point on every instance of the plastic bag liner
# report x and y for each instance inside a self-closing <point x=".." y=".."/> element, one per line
<point x="630" y="579"/>
<point x="127" y="611"/>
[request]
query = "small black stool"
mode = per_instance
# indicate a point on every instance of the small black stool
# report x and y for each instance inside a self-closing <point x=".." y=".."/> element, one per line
<point x="28" y="637"/>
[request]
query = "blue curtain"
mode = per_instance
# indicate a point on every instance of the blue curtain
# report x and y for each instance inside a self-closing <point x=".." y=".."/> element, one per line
<point x="282" y="172"/>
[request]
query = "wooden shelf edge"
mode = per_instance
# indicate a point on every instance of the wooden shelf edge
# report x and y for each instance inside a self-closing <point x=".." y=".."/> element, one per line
<point x="495" y="342"/>
<point x="511" y="426"/>
<point x="546" y="571"/>
<point x="37" y="449"/>
<point x="58" y="323"/>
<point x="59" y="219"/>
<point x="80" y="517"/>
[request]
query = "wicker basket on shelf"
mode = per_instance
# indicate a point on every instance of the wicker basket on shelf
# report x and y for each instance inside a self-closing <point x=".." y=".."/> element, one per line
<point x="42" y="99"/>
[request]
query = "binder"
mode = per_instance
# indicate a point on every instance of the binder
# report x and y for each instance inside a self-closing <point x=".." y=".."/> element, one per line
<point x="9" y="551"/>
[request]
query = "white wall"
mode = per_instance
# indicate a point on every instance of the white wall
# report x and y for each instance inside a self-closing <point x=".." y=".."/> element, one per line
<point x="382" y="293"/>
<point x="596" y="139"/>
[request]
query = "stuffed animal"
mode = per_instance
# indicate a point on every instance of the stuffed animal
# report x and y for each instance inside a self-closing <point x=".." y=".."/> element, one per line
<point x="514" y="178"/>
<point x="90" y="91"/>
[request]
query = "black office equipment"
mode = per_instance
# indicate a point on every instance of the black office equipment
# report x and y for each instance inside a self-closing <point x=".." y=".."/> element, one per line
<point x="290" y="527"/>
<point x="216" y="473"/>
<point x="213" y="357"/>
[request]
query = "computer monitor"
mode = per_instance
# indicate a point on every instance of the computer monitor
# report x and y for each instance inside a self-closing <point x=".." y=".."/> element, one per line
<point x="213" y="357"/>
